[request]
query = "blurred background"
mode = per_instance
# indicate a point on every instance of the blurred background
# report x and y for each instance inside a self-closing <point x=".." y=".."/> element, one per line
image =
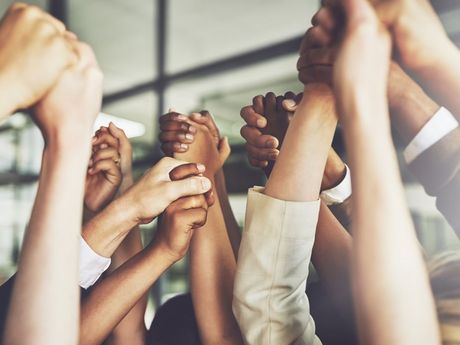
<point x="189" y="55"/>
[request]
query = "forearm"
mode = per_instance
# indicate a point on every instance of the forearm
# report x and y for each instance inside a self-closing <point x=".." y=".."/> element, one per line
<point x="305" y="149"/>
<point x="212" y="269"/>
<point x="50" y="251"/>
<point x="107" y="230"/>
<point x="332" y="259"/>
<point x="112" y="299"/>
<point x="386" y="235"/>
<point x="233" y="228"/>
<point x="132" y="328"/>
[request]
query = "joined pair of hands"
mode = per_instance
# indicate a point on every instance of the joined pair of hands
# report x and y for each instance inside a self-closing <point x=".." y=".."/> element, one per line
<point x="175" y="189"/>
<point x="45" y="66"/>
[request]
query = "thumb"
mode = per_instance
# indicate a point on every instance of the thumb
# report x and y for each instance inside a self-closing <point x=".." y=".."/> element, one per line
<point x="224" y="149"/>
<point x="290" y="105"/>
<point x="194" y="185"/>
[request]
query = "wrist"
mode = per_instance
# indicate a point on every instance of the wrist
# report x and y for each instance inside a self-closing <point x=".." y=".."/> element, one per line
<point x="169" y="258"/>
<point x="334" y="172"/>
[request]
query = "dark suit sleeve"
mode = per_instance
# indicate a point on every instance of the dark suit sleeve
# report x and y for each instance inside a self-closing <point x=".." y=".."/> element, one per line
<point x="438" y="170"/>
<point x="5" y="296"/>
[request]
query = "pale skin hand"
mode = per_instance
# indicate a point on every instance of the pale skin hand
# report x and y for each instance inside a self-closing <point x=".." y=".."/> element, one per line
<point x="424" y="48"/>
<point x="75" y="101"/>
<point x="113" y="140"/>
<point x="36" y="49"/>
<point x="410" y="107"/>
<point x="104" y="176"/>
<point x="140" y="204"/>
<point x="390" y="308"/>
<point x="113" y="298"/>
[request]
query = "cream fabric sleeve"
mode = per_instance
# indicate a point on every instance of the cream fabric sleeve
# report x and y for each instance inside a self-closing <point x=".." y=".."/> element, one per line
<point x="269" y="300"/>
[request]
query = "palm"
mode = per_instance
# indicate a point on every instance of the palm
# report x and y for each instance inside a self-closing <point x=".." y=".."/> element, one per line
<point x="99" y="190"/>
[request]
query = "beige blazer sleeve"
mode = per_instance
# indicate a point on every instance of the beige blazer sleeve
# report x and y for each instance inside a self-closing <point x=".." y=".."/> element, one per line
<point x="269" y="302"/>
<point x="438" y="170"/>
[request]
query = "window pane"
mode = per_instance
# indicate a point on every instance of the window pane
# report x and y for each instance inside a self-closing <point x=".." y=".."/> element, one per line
<point x="140" y="108"/>
<point x="225" y="94"/>
<point x="202" y="31"/>
<point x="122" y="34"/>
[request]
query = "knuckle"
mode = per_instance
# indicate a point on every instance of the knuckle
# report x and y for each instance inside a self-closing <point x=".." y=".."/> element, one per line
<point x="29" y="12"/>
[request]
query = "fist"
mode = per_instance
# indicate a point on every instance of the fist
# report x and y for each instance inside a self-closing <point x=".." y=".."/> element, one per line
<point x="72" y="105"/>
<point x="36" y="49"/>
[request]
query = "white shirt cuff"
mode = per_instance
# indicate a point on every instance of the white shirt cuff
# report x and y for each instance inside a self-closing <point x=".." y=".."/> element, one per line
<point x="441" y="124"/>
<point x="339" y="193"/>
<point x="92" y="265"/>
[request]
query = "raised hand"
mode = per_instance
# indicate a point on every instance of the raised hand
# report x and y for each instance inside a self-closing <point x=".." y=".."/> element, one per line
<point x="104" y="174"/>
<point x="36" y="49"/>
<point x="181" y="218"/>
<point x="364" y="37"/>
<point x="152" y="194"/>
<point x="416" y="30"/>
<point x="68" y="111"/>
<point x="267" y="120"/>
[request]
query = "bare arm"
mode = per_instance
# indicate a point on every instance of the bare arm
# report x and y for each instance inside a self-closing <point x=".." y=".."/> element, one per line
<point x="132" y="328"/>
<point x="391" y="309"/>
<point x="212" y="257"/>
<point x="47" y="277"/>
<point x="114" y="297"/>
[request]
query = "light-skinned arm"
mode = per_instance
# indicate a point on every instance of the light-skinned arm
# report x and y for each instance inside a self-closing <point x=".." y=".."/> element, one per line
<point x="47" y="273"/>
<point x="391" y="309"/>
<point x="36" y="49"/>
<point x="132" y="328"/>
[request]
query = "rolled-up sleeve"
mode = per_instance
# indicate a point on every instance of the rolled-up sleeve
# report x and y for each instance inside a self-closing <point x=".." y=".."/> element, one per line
<point x="269" y="302"/>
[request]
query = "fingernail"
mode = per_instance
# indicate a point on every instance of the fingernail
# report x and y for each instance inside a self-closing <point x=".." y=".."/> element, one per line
<point x="273" y="156"/>
<point x="192" y="129"/>
<point x="264" y="164"/>
<point x="90" y="171"/>
<point x="184" y="146"/>
<point x="181" y="136"/>
<point x="189" y="136"/>
<point x="261" y="123"/>
<point x="201" y="168"/>
<point x="206" y="184"/>
<point x="181" y="117"/>
<point x="290" y="103"/>
<point x="104" y="146"/>
<point x="270" y="144"/>
<point x="196" y="114"/>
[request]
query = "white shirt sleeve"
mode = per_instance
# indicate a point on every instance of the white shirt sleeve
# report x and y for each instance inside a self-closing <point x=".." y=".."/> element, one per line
<point x="92" y="265"/>
<point x="269" y="300"/>
<point x="339" y="193"/>
<point x="441" y="124"/>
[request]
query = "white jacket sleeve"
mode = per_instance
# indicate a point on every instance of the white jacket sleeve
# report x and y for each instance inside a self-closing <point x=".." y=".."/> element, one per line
<point x="269" y="300"/>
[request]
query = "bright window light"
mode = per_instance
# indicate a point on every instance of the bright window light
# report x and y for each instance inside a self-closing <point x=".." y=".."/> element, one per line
<point x="132" y="129"/>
